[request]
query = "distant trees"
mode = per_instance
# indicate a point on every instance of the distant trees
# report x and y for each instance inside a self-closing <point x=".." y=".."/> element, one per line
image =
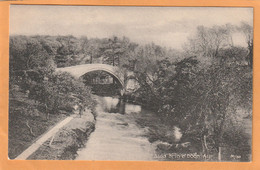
<point x="111" y="51"/>
<point x="207" y="43"/>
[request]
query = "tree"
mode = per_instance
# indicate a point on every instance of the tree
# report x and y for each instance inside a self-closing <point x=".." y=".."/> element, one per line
<point x="29" y="61"/>
<point x="248" y="33"/>
<point x="208" y="100"/>
<point x="26" y="53"/>
<point x="68" y="51"/>
<point x="84" y="41"/>
<point x="151" y="69"/>
<point x="58" y="92"/>
<point x="207" y="42"/>
<point x="93" y="50"/>
<point x="112" y="51"/>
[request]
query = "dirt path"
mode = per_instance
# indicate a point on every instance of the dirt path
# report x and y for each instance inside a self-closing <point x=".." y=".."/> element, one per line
<point x="25" y="154"/>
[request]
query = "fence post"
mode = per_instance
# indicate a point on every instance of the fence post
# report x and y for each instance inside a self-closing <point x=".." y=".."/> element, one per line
<point x="219" y="154"/>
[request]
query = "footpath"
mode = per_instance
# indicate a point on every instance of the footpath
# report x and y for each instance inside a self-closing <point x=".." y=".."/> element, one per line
<point x="63" y="140"/>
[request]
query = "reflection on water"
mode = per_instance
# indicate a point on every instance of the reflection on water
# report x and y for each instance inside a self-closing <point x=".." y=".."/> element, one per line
<point x="130" y="108"/>
<point x="117" y="136"/>
<point x="107" y="103"/>
<point x="115" y="105"/>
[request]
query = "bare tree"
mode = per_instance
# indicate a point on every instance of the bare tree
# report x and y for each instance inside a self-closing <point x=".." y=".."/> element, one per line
<point x="208" y="41"/>
<point x="247" y="30"/>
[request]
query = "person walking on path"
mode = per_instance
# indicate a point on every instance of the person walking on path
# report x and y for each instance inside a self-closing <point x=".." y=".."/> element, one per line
<point x="81" y="108"/>
<point x="46" y="111"/>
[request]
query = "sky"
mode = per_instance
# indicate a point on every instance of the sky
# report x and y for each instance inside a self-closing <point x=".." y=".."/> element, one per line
<point x="165" y="26"/>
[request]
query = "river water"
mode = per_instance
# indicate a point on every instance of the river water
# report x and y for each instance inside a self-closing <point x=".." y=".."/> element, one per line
<point x="117" y="136"/>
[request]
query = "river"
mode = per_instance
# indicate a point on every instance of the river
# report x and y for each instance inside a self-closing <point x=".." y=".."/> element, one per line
<point x="117" y="135"/>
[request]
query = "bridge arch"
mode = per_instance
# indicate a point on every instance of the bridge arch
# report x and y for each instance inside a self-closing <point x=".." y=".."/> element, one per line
<point x="83" y="69"/>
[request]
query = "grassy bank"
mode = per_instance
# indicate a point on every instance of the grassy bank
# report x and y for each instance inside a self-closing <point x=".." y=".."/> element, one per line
<point x="66" y="142"/>
<point x="170" y="148"/>
<point x="27" y="122"/>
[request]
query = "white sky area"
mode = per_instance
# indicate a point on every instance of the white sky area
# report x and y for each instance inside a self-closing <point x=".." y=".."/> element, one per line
<point x="166" y="26"/>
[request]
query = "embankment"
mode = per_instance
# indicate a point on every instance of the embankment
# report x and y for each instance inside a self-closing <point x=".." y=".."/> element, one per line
<point x="65" y="143"/>
<point x="27" y="123"/>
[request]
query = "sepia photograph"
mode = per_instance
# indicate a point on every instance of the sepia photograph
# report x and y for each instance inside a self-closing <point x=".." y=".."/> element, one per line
<point x="130" y="83"/>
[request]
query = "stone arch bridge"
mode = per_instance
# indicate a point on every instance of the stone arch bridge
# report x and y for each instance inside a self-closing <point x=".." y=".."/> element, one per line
<point x="80" y="70"/>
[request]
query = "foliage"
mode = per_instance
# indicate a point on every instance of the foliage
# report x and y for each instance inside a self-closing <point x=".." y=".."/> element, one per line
<point x="203" y="99"/>
<point x="200" y="89"/>
<point x="32" y="69"/>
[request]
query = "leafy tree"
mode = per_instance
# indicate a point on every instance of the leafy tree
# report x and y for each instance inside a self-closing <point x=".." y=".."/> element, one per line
<point x="92" y="49"/>
<point x="214" y="92"/>
<point x="112" y="50"/>
<point x="26" y="53"/>
<point x="70" y="47"/>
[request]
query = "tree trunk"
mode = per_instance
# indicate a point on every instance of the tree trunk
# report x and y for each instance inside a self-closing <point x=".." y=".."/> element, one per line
<point x="91" y="59"/>
<point x="250" y="55"/>
<point x="219" y="153"/>
<point x="46" y="112"/>
<point x="113" y="60"/>
<point x="204" y="144"/>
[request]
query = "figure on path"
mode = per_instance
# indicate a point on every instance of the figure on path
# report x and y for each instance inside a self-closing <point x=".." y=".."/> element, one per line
<point x="81" y="108"/>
